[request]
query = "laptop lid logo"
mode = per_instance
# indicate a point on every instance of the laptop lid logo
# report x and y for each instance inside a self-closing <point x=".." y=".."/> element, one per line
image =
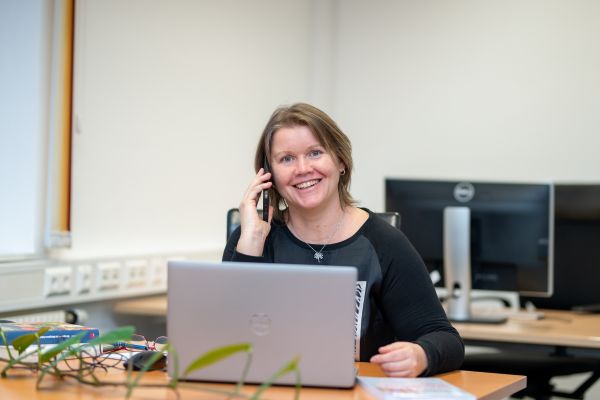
<point x="260" y="324"/>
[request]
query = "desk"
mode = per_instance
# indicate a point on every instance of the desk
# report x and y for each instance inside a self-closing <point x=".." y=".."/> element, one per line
<point x="154" y="306"/>
<point x="574" y="340"/>
<point x="21" y="385"/>
<point x="483" y="385"/>
<point x="558" y="328"/>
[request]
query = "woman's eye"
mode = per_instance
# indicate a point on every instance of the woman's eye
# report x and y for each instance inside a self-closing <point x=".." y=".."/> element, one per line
<point x="286" y="159"/>
<point x="315" y="153"/>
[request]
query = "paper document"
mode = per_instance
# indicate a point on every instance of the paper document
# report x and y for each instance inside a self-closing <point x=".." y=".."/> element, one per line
<point x="413" y="388"/>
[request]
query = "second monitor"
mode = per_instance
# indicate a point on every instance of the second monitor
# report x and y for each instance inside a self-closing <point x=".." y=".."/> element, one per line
<point x="511" y="229"/>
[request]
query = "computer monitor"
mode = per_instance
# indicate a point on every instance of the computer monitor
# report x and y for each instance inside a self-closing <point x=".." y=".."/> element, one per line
<point x="511" y="229"/>
<point x="576" y="248"/>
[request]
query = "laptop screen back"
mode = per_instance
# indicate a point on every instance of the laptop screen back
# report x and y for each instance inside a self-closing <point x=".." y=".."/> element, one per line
<point x="282" y="310"/>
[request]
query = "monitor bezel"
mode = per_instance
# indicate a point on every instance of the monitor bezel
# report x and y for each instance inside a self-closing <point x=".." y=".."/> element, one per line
<point x="550" y="186"/>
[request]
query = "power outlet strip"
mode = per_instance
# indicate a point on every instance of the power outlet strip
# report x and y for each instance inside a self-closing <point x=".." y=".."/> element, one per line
<point x="136" y="273"/>
<point x="58" y="281"/>
<point x="108" y="276"/>
<point x="52" y="283"/>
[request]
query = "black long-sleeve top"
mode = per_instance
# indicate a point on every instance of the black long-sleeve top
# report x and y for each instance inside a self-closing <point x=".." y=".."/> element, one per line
<point x="396" y="300"/>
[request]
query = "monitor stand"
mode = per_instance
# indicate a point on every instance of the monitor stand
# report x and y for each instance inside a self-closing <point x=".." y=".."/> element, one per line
<point x="457" y="267"/>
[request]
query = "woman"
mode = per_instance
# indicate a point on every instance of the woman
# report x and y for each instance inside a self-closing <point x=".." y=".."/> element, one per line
<point x="313" y="220"/>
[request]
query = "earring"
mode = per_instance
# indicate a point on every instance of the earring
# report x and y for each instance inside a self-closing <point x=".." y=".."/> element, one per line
<point x="343" y="172"/>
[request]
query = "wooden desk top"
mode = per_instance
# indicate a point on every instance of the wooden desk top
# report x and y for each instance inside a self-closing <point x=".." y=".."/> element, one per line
<point x="21" y="385"/>
<point x="154" y="306"/>
<point x="558" y="328"/>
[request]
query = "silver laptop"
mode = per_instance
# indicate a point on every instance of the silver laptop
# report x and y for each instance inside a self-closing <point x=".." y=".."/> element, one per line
<point x="283" y="310"/>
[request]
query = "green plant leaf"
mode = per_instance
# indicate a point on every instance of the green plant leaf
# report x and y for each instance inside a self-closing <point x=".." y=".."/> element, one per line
<point x="213" y="356"/>
<point x="133" y="383"/>
<point x="53" y="351"/>
<point x="8" y="352"/>
<point x="286" y="369"/>
<point x="242" y="379"/>
<point x="43" y="330"/>
<point x="116" y="335"/>
<point x="174" y="359"/>
<point x="22" y="342"/>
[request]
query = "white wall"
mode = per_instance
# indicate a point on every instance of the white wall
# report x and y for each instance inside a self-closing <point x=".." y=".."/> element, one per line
<point x="171" y="96"/>
<point x="502" y="90"/>
<point x="170" y="99"/>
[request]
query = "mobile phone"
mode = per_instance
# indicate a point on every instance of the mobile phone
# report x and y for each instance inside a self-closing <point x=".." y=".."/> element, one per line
<point x="265" y="196"/>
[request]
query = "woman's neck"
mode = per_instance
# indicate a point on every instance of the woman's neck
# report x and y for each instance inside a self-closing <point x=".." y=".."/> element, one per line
<point x="318" y="226"/>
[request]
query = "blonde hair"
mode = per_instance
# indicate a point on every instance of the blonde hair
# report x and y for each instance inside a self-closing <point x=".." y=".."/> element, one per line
<point x="327" y="133"/>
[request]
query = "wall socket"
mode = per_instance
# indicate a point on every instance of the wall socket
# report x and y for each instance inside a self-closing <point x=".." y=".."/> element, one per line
<point x="136" y="273"/>
<point x="108" y="276"/>
<point x="58" y="281"/>
<point x="84" y="279"/>
<point x="159" y="272"/>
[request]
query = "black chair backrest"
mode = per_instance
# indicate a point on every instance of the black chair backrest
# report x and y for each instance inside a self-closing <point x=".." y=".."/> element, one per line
<point x="391" y="217"/>
<point x="233" y="219"/>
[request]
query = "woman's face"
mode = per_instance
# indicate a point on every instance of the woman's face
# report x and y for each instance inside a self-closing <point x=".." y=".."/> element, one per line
<point x="303" y="173"/>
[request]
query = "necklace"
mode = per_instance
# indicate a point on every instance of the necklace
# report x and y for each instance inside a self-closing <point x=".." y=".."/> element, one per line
<point x="319" y="254"/>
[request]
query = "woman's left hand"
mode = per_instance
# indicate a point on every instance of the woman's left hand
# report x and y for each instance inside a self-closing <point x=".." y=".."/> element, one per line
<point x="401" y="359"/>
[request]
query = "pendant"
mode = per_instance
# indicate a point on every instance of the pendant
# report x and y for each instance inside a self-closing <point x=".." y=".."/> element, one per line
<point x="318" y="256"/>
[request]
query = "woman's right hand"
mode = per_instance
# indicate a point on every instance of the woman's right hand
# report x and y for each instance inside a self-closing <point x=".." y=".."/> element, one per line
<point x="254" y="230"/>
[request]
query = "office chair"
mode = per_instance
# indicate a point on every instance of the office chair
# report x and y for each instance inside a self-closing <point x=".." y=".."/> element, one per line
<point x="391" y="217"/>
<point x="233" y="219"/>
<point x="539" y="369"/>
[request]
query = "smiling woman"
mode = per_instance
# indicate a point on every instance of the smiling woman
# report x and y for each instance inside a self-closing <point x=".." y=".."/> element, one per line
<point x="305" y="174"/>
<point x="313" y="219"/>
<point x="305" y="125"/>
